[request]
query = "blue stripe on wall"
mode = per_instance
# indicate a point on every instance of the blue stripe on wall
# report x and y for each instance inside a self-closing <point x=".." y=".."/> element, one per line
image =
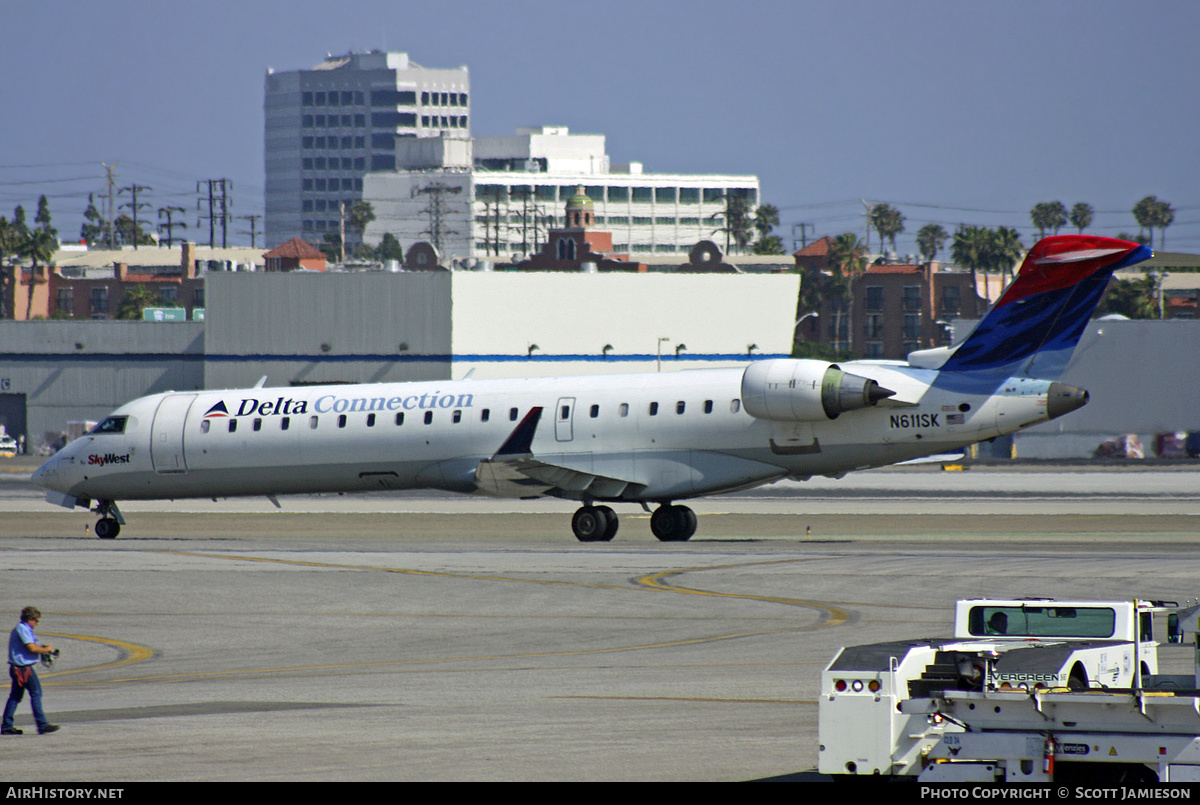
<point x="102" y="357"/>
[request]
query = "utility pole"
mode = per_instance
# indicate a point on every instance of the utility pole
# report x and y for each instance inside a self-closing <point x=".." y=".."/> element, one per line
<point x="170" y="225"/>
<point x="133" y="206"/>
<point x="108" y="214"/>
<point x="803" y="227"/>
<point x="253" y="219"/>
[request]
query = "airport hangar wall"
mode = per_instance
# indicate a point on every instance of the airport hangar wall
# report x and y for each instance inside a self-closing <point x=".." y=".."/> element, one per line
<point x="395" y="327"/>
<point x="715" y="320"/>
<point x="73" y="371"/>
<point x="1142" y="377"/>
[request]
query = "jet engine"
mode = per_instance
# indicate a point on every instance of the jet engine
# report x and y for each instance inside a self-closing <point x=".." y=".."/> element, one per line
<point x="789" y="390"/>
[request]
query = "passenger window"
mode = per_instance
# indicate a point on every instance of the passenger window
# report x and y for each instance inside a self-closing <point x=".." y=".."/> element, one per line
<point x="735" y="405"/>
<point x="204" y="426"/>
<point x="484" y="415"/>
<point x="565" y="412"/>
<point x="679" y="406"/>
<point x="312" y="422"/>
<point x="595" y="412"/>
<point x="370" y="420"/>
<point x="400" y="418"/>
<point x="285" y="423"/>
<point x="654" y="409"/>
<point x="257" y="424"/>
<point x="624" y="409"/>
<point x="232" y="425"/>
<point x="708" y="406"/>
<point x="456" y="417"/>
<point x="342" y="421"/>
<point x="512" y="414"/>
<point x="429" y="417"/>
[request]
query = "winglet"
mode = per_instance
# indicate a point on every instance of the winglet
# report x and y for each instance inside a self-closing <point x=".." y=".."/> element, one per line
<point x="520" y="441"/>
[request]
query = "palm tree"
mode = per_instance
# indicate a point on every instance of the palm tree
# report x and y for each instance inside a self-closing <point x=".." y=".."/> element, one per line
<point x="1081" y="216"/>
<point x="1164" y="216"/>
<point x="888" y="222"/>
<point x="38" y="245"/>
<point x="136" y="299"/>
<point x="361" y="214"/>
<point x="1048" y="216"/>
<point x="930" y="239"/>
<point x="739" y="227"/>
<point x="1005" y="250"/>
<point x="1145" y="213"/>
<point x="847" y="260"/>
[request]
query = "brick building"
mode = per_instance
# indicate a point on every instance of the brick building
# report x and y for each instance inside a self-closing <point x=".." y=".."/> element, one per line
<point x="893" y="309"/>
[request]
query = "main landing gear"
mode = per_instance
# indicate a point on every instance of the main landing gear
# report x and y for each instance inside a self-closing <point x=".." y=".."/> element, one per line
<point x="109" y="524"/>
<point x="595" y="524"/>
<point x="599" y="523"/>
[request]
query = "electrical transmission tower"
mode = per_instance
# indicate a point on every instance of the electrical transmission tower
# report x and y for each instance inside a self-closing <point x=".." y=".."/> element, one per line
<point x="219" y="204"/>
<point x="436" y="211"/>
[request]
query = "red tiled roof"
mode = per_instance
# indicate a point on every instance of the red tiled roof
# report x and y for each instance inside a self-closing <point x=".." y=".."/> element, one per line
<point x="298" y="248"/>
<point x="818" y="248"/>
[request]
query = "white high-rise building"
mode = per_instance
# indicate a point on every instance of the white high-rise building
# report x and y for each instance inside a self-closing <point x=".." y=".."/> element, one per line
<point x="329" y="126"/>
<point x="496" y="198"/>
<point x="380" y="128"/>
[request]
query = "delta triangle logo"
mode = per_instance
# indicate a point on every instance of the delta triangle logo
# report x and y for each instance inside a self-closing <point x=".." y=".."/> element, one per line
<point x="217" y="410"/>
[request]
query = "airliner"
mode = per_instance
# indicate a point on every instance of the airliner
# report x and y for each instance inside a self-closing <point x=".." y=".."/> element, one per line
<point x="641" y="439"/>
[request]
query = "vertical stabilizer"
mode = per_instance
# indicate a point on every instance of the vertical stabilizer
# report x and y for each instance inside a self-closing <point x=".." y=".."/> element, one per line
<point x="1034" y="327"/>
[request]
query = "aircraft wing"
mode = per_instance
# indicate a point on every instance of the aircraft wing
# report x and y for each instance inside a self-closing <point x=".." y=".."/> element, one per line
<point x="514" y="471"/>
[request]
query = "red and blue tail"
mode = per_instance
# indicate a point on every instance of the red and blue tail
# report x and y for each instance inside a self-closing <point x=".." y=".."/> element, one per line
<point x="1034" y="327"/>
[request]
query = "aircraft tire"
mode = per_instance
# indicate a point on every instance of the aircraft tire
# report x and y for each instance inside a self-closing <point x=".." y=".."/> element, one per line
<point x="590" y="524"/>
<point x="673" y="523"/>
<point x="107" y="528"/>
<point x="610" y="530"/>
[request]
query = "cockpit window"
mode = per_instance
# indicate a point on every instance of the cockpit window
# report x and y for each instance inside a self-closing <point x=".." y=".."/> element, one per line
<point x="114" y="424"/>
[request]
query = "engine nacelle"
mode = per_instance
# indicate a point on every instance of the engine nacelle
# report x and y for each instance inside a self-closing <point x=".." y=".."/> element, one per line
<point x="790" y="390"/>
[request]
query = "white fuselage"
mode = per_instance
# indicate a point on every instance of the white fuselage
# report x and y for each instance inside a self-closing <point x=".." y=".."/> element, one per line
<point x="647" y="437"/>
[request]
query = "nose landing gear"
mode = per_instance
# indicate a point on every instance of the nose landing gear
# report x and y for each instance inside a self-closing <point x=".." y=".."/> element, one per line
<point x="110" y="522"/>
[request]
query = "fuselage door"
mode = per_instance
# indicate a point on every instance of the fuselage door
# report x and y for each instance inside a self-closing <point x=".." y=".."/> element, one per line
<point x="564" y="412"/>
<point x="166" y="435"/>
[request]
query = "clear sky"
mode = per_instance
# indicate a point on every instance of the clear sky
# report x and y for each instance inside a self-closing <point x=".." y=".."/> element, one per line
<point x="954" y="112"/>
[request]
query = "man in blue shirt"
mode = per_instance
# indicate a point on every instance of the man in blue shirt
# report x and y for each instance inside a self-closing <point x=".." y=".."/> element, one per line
<point x="24" y="652"/>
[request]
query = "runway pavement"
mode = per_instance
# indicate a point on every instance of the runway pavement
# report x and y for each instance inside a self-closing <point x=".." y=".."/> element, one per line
<point x="428" y="637"/>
